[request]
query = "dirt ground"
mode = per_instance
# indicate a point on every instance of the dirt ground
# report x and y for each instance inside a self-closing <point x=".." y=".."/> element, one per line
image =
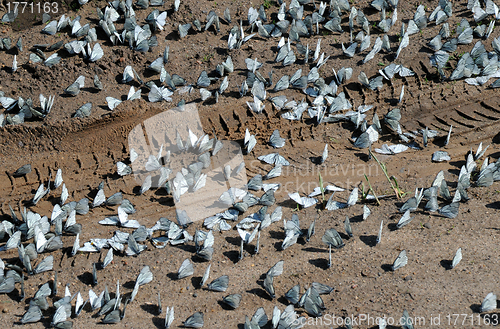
<point x="87" y="151"/>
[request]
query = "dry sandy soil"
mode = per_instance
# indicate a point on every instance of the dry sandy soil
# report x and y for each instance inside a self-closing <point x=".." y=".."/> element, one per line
<point x="87" y="151"/>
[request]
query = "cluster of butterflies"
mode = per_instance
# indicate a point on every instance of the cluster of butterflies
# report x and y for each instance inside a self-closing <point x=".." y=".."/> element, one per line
<point x="110" y="307"/>
<point x="291" y="22"/>
<point x="485" y="176"/>
<point x="33" y="225"/>
<point x="38" y="227"/>
<point x="310" y="301"/>
<point x="20" y="109"/>
<point x="176" y="233"/>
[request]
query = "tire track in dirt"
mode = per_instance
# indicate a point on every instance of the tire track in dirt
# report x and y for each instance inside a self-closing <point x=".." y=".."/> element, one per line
<point x="91" y="149"/>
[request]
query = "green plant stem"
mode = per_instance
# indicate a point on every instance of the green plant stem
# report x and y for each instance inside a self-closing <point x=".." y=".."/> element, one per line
<point x="322" y="188"/>
<point x="399" y="194"/>
<point x="371" y="189"/>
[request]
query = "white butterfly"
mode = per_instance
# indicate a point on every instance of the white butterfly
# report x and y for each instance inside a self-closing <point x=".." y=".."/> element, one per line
<point x="161" y="20"/>
<point x="96" y="53"/>
<point x="133" y="94"/>
<point x="391" y="149"/>
<point x="94" y="300"/>
<point x="305" y="202"/>
<point x="112" y="102"/>
<point x="457" y="258"/>
<point x="123" y="169"/>
<point x="247" y="237"/>
<point x="158" y="94"/>
<point x="328" y="188"/>
<point x="256" y="106"/>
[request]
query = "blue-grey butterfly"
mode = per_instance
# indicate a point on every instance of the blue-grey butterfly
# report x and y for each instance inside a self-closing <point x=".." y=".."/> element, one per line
<point x="220" y="284"/>
<point x="185" y="270"/>
<point x="489" y="303"/>
<point x="232" y="300"/>
<point x="400" y="261"/>
<point x="292" y="295"/>
<point x="194" y="321"/>
<point x="457" y="258"/>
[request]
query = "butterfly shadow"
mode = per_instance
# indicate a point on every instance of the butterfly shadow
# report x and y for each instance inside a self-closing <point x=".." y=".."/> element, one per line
<point x="196" y="258"/>
<point x="276" y="235"/>
<point x="129" y="284"/>
<point x="352" y="86"/>
<point x="137" y="190"/>
<point x="29" y="202"/>
<point x="232" y="94"/>
<point x="446" y="263"/>
<point x="260" y="292"/>
<point x="196" y="281"/>
<point x="369" y="240"/>
<point x="222" y="51"/>
<point x="392" y="227"/>
<point x="457" y="164"/>
<point x="158" y="322"/>
<point x="6" y="217"/>
<point x="321" y="263"/>
<point x="356" y="219"/>
<point x="344" y="236"/>
<point x="234" y="241"/>
<point x="317" y="160"/>
<point x="7" y="69"/>
<point x="392" y="101"/>
<point x="493" y="205"/>
<point x="149" y="73"/>
<point x="173" y="276"/>
<point x="314" y="249"/>
<point x="387" y="267"/>
<point x="476" y="308"/>
<point x="426" y="49"/>
<point x="150" y="308"/>
<point x="166" y="200"/>
<point x="495" y="140"/>
<point x="233" y="255"/>
<point x="362" y="156"/>
<point x="224" y="306"/>
<point x="91" y="90"/>
<point x="185" y="247"/>
<point x="278" y="245"/>
<point x="283" y="301"/>
<point x="64" y="95"/>
<point x="287" y="204"/>
<point x="86" y="278"/>
<point x="15" y="295"/>
<point x="104" y="108"/>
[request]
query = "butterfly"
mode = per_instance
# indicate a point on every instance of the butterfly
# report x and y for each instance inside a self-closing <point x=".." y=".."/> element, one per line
<point x="489" y="303"/>
<point x="332" y="239"/>
<point x="457" y="258"/>
<point x="400" y="261"/>
<point x="304" y="202"/>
